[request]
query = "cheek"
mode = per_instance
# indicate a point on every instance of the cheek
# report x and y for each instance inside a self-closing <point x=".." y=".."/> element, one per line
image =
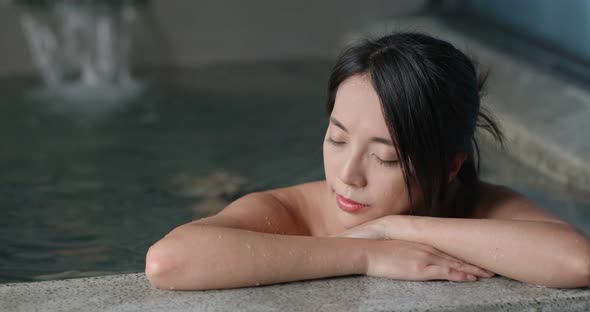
<point x="329" y="162"/>
<point x="326" y="160"/>
<point x="391" y="193"/>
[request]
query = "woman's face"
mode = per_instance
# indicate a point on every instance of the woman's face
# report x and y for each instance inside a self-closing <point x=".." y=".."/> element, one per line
<point x="360" y="160"/>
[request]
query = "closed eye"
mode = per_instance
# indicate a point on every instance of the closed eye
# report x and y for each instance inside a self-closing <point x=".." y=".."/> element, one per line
<point x="335" y="143"/>
<point x="387" y="163"/>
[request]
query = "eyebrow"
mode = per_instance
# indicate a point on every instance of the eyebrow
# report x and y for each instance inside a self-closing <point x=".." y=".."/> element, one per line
<point x="373" y="139"/>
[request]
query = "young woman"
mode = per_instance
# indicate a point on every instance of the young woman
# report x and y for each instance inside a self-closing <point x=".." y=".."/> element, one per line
<point x="401" y="200"/>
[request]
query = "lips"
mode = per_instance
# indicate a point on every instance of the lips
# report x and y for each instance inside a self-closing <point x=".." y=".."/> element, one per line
<point x="348" y="205"/>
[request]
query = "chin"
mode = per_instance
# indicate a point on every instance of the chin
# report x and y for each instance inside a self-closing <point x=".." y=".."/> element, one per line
<point x="349" y="221"/>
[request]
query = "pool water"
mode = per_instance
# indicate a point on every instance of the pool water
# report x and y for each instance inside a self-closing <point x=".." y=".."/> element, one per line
<point x="85" y="192"/>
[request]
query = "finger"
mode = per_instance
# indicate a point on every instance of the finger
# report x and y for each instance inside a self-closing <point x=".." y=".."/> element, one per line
<point x="356" y="235"/>
<point x="343" y="234"/>
<point x="470" y="269"/>
<point x="458" y="276"/>
<point x="349" y="234"/>
<point x="464" y="266"/>
<point x="361" y="233"/>
<point x="437" y="272"/>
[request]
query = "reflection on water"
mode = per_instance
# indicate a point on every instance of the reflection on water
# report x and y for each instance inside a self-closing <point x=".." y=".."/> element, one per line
<point x="84" y="196"/>
<point x="215" y="184"/>
<point x="214" y="191"/>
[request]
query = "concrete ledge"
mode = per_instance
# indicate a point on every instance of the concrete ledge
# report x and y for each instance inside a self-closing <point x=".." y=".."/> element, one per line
<point x="545" y="118"/>
<point x="132" y="292"/>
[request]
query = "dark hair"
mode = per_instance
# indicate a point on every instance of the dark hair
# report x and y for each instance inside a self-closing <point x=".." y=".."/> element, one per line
<point x="430" y="96"/>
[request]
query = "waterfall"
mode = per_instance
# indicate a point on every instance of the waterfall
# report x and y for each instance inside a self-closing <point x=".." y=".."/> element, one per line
<point x="81" y="46"/>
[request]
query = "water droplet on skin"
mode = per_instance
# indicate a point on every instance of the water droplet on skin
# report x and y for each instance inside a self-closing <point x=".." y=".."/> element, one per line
<point x="171" y="287"/>
<point x="248" y="245"/>
<point x="219" y="236"/>
<point x="257" y="284"/>
<point x="496" y="251"/>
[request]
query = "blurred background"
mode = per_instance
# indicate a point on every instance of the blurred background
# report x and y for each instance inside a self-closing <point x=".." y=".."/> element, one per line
<point x="122" y="119"/>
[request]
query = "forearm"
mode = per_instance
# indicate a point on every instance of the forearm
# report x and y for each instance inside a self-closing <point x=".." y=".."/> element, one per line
<point x="197" y="257"/>
<point x="541" y="253"/>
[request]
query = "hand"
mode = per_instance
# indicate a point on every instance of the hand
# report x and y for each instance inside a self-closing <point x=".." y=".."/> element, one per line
<point x="405" y="260"/>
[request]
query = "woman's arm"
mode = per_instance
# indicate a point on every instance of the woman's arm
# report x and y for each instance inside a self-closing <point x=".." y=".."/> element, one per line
<point x="536" y="252"/>
<point x="257" y="239"/>
<point x="199" y="257"/>
<point x="514" y="237"/>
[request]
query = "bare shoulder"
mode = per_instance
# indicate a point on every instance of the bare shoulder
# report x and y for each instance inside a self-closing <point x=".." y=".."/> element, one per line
<point x="495" y="201"/>
<point x="280" y="211"/>
<point x="301" y="200"/>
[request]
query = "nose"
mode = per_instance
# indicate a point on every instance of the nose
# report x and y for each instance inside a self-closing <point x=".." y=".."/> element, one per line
<point x="352" y="173"/>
